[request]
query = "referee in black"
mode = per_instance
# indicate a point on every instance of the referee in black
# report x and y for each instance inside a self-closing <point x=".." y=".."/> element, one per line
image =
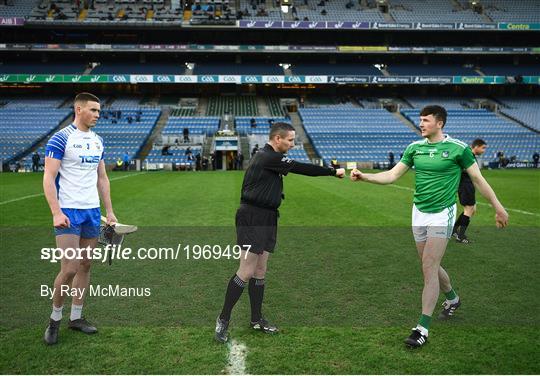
<point x="467" y="199"/>
<point x="257" y="219"/>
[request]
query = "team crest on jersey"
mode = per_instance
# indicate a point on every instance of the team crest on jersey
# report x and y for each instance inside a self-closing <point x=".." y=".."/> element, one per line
<point x="98" y="146"/>
<point x="445" y="154"/>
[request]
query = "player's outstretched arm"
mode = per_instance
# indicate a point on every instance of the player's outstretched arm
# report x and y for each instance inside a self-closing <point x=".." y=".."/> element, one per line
<point x="386" y="177"/>
<point x="104" y="189"/>
<point x="52" y="165"/>
<point x="501" y="216"/>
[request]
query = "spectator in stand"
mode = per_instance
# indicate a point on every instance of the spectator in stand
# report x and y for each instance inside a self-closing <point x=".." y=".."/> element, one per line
<point x="198" y="161"/>
<point x="126" y="161"/>
<point x="391" y="160"/>
<point x="255" y="150"/>
<point x="35" y="161"/>
<point x="240" y="161"/>
<point x="536" y="157"/>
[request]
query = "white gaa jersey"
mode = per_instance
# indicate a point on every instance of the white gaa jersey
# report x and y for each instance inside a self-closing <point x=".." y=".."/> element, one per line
<point x="80" y="153"/>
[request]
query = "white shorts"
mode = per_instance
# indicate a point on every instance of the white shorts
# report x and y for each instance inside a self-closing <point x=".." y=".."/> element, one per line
<point x="433" y="225"/>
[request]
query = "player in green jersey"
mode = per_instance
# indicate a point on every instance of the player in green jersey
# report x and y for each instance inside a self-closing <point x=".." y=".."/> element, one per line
<point x="438" y="160"/>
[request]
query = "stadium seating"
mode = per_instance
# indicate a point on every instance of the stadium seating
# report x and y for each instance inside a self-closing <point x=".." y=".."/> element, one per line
<point x="349" y="133"/>
<point x="510" y="70"/>
<point x="337" y="10"/>
<point x="21" y="128"/>
<point x="125" y="102"/>
<point x="446" y="102"/>
<point x="335" y="69"/>
<point x="524" y="110"/>
<point x="177" y="154"/>
<point x="197" y="125"/>
<point x="18" y="8"/>
<point x="275" y="107"/>
<point x="212" y="12"/>
<point x="31" y="102"/>
<point x="124" y="136"/>
<point x="500" y="134"/>
<point x="139" y="68"/>
<point x="149" y="12"/>
<point x="431" y="70"/>
<point x="431" y="11"/>
<point x="243" y="124"/>
<point x="183" y="112"/>
<point x="298" y="154"/>
<point x="41" y="68"/>
<point x="233" y="105"/>
<point x="512" y="11"/>
<point x="252" y="10"/>
<point x="245" y="68"/>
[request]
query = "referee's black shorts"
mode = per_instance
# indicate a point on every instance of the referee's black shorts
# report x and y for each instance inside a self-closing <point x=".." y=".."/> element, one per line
<point x="256" y="227"/>
<point x="466" y="193"/>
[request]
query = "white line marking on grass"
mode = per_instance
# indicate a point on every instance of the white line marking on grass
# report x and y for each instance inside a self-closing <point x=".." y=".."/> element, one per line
<point x="127" y="176"/>
<point x="479" y="203"/>
<point x="236" y="358"/>
<point x="513" y="210"/>
<point x="41" y="194"/>
<point x="20" y="198"/>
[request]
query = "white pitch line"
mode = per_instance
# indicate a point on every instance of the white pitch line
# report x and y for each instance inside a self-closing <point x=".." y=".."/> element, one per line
<point x="236" y="358"/>
<point x="479" y="203"/>
<point x="41" y="194"/>
<point x="20" y="198"/>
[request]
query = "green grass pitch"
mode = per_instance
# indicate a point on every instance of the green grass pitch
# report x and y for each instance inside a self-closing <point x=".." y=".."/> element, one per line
<point x="344" y="283"/>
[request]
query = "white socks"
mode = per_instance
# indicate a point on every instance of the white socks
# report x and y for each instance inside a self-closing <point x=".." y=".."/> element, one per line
<point x="76" y="311"/>
<point x="56" y="314"/>
<point x="422" y="330"/>
<point x="453" y="301"/>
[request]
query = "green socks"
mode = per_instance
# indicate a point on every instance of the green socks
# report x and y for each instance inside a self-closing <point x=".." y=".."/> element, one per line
<point x="450" y="295"/>
<point x="424" y="321"/>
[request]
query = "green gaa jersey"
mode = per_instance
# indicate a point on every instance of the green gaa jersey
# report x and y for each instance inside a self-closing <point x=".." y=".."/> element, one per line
<point x="438" y="170"/>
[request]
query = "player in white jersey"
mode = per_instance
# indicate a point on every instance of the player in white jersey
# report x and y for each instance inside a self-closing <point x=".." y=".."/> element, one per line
<point x="74" y="179"/>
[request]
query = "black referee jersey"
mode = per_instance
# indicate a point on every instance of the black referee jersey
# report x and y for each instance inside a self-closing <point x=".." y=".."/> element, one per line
<point x="465" y="178"/>
<point x="263" y="184"/>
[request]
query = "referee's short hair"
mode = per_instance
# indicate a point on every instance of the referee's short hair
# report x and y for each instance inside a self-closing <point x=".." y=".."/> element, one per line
<point x="82" y="98"/>
<point x="478" y="142"/>
<point x="438" y="112"/>
<point x="280" y="129"/>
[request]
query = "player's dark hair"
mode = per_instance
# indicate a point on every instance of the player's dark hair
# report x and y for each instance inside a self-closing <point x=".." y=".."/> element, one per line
<point x="280" y="128"/>
<point x="86" y="97"/>
<point x="478" y="142"/>
<point x="438" y="113"/>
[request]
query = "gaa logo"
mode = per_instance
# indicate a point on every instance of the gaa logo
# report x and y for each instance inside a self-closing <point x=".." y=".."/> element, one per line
<point x="251" y="79"/>
<point x="163" y="79"/>
<point x="294" y="79"/>
<point x="119" y="79"/>
<point x="207" y="79"/>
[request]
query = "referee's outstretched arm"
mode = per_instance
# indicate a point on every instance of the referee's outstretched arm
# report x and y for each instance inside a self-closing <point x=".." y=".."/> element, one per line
<point x="285" y="165"/>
